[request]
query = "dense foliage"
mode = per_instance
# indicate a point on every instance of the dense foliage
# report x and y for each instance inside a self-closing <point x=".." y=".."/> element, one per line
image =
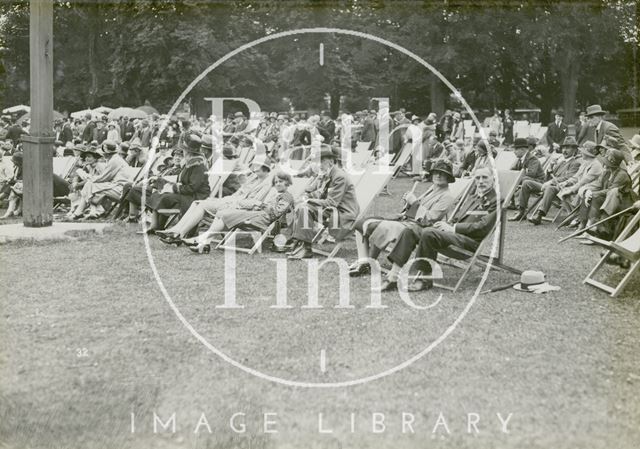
<point x="498" y="54"/>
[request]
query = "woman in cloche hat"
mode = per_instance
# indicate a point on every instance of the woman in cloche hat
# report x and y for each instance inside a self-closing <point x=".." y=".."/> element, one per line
<point x="192" y="185"/>
<point x="375" y="234"/>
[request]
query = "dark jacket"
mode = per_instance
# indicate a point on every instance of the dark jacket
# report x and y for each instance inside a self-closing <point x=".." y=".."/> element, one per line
<point x="193" y="180"/>
<point x="556" y="134"/>
<point x="567" y="168"/>
<point x="532" y="167"/>
<point x="477" y="216"/>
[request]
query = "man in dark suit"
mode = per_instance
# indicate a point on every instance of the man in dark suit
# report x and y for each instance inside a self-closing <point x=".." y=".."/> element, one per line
<point x="473" y="221"/>
<point x="562" y="171"/>
<point x="602" y="128"/>
<point x="334" y="202"/>
<point x="556" y="131"/>
<point x="326" y="127"/>
<point x="533" y="171"/>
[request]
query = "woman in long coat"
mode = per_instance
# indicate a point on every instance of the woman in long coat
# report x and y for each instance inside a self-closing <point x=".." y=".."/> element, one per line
<point x="192" y="185"/>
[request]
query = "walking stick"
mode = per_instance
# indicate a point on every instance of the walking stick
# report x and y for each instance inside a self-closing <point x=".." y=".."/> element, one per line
<point x="572" y="235"/>
<point x="499" y="288"/>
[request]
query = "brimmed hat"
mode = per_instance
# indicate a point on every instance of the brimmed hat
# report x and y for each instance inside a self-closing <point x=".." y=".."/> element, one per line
<point x="559" y="112"/>
<point x="569" y="142"/>
<point x="229" y="152"/>
<point x="613" y="158"/>
<point x="594" y="109"/>
<point x="520" y="143"/>
<point x="533" y="282"/>
<point x="17" y="157"/>
<point x="94" y="151"/>
<point x="238" y="114"/>
<point x="108" y="147"/>
<point x="192" y="144"/>
<point x="444" y="167"/>
<point x="589" y="149"/>
<point x="262" y="162"/>
<point x="635" y="141"/>
<point x="328" y="152"/>
<point x="282" y="117"/>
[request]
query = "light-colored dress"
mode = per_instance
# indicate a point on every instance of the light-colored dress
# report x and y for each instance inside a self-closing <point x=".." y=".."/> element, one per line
<point x="433" y="207"/>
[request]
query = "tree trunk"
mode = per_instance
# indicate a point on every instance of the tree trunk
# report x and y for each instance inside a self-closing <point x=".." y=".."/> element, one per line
<point x="93" y="91"/>
<point x="335" y="104"/>
<point x="437" y="96"/>
<point x="569" y="81"/>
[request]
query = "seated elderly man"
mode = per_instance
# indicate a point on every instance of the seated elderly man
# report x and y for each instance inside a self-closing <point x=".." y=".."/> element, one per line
<point x="564" y="169"/>
<point x="614" y="194"/>
<point x="334" y="202"/>
<point x="467" y="228"/>
<point x="586" y="178"/>
<point x="374" y="234"/>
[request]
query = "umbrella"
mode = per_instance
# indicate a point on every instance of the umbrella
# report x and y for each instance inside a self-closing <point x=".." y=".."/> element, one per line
<point x="146" y="107"/>
<point x="18" y="108"/>
<point x="103" y="110"/>
<point x="126" y="112"/>
<point x="27" y="116"/>
<point x="81" y="114"/>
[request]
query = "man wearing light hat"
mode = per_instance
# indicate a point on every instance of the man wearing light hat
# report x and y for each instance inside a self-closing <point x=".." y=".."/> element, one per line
<point x="602" y="128"/>
<point x="561" y="172"/>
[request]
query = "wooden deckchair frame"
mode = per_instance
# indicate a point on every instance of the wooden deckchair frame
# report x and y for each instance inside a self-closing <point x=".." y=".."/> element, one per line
<point x="258" y="235"/>
<point x="476" y="257"/>
<point x="615" y="247"/>
<point x="216" y="181"/>
<point x="371" y="170"/>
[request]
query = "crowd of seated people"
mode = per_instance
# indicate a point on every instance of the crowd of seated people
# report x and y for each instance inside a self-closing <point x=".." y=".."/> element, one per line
<point x="590" y="179"/>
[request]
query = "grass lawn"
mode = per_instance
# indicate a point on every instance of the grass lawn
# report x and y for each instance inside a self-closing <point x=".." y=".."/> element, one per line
<point x="88" y="339"/>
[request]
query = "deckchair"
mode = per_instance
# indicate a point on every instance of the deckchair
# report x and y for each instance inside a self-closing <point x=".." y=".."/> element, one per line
<point x="521" y="128"/>
<point x="401" y="158"/>
<point x="508" y="180"/>
<point x="627" y="245"/>
<point x="542" y="132"/>
<point x="258" y="236"/>
<point x="534" y="130"/>
<point x="367" y="188"/>
<point x="505" y="160"/>
<point x="362" y="147"/>
<point x="216" y="181"/>
<point x="62" y="166"/>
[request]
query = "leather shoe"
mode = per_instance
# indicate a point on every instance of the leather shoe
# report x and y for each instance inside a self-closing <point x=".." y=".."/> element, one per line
<point x="420" y="285"/>
<point x="359" y="270"/>
<point x="293" y="247"/>
<point x="519" y="216"/>
<point x="388" y="286"/>
<point x="304" y="252"/>
<point x="536" y="219"/>
<point x="170" y="240"/>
